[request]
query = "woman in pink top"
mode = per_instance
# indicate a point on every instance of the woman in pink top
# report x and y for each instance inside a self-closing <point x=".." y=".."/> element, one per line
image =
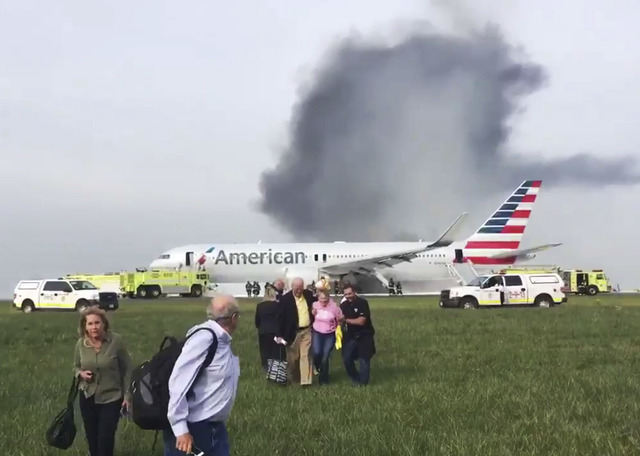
<point x="327" y="316"/>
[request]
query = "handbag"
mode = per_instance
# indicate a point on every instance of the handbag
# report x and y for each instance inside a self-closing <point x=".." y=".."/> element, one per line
<point x="62" y="430"/>
<point x="277" y="368"/>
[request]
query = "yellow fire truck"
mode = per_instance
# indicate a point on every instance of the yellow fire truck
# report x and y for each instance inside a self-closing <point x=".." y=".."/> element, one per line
<point x="576" y="281"/>
<point x="586" y="282"/>
<point x="155" y="283"/>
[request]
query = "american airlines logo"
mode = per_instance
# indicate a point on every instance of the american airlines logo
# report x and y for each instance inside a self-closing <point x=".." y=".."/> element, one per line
<point x="268" y="257"/>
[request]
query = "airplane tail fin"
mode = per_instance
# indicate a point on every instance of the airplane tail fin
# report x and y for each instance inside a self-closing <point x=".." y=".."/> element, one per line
<point x="502" y="233"/>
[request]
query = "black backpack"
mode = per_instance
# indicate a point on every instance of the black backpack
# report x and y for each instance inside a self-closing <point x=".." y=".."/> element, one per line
<point x="150" y="383"/>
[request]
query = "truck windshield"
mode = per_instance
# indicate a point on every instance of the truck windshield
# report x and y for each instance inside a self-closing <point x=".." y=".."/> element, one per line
<point x="477" y="281"/>
<point x="82" y="285"/>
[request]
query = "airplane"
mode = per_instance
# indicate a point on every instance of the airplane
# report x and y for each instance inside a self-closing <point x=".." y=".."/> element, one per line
<point x="495" y="243"/>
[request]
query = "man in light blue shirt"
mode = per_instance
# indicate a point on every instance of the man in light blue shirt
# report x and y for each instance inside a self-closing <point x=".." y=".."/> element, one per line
<point x="198" y="420"/>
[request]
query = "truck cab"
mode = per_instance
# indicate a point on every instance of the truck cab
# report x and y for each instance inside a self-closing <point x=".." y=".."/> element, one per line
<point x="30" y="295"/>
<point x="542" y="290"/>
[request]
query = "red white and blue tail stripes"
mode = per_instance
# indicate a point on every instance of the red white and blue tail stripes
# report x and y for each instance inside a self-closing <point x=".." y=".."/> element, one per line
<point x="503" y="231"/>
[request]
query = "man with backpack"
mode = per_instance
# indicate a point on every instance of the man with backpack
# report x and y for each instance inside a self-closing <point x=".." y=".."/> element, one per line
<point x="197" y="410"/>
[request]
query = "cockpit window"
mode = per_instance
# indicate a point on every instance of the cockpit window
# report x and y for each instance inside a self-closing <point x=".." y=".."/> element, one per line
<point x="164" y="256"/>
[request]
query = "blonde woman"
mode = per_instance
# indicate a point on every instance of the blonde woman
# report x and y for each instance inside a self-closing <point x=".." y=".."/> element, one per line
<point x="327" y="317"/>
<point x="103" y="365"/>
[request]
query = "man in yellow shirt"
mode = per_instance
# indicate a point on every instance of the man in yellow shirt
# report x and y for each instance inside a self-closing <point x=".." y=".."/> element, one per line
<point x="297" y="331"/>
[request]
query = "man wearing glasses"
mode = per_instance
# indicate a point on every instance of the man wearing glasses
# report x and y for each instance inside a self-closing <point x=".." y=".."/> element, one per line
<point x="198" y="420"/>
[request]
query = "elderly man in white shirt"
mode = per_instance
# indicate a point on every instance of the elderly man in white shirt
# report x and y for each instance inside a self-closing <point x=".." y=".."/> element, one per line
<point x="198" y="420"/>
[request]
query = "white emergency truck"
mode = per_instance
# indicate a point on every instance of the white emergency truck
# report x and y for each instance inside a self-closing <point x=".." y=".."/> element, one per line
<point x="30" y="295"/>
<point x="539" y="289"/>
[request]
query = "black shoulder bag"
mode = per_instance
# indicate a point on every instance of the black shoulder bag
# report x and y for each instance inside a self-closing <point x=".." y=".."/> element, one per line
<point x="62" y="431"/>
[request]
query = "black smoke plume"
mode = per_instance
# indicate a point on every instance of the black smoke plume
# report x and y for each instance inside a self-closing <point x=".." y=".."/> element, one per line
<point x="387" y="138"/>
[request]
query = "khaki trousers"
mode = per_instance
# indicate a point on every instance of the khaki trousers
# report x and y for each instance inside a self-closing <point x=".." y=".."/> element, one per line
<point x="299" y="358"/>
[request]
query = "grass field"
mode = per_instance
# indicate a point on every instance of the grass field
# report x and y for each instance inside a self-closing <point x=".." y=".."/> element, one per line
<point x="560" y="381"/>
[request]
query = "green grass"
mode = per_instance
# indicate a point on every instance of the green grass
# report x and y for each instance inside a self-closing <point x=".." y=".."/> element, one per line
<point x="561" y="381"/>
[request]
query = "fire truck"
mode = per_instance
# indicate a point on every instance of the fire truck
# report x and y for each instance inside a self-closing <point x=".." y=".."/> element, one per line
<point x="586" y="282"/>
<point x="155" y="283"/>
<point x="577" y="281"/>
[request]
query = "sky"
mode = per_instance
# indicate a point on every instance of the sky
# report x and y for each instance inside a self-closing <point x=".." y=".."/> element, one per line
<point x="127" y="131"/>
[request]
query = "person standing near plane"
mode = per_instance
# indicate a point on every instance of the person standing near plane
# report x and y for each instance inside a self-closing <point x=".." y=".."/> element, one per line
<point x="297" y="307"/>
<point x="357" y="340"/>
<point x="327" y="317"/>
<point x="279" y="286"/>
<point x="103" y="367"/>
<point x="269" y="323"/>
<point x="197" y="420"/>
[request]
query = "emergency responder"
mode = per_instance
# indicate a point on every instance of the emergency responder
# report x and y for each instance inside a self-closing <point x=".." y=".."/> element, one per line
<point x="249" y="288"/>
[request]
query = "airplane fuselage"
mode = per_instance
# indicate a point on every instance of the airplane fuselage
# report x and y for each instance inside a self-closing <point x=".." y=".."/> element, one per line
<point x="495" y="243"/>
<point x="265" y="262"/>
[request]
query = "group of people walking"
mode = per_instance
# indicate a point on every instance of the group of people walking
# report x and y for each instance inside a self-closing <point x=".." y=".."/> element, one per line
<point x="197" y="409"/>
<point x="295" y="325"/>
<point x="300" y="327"/>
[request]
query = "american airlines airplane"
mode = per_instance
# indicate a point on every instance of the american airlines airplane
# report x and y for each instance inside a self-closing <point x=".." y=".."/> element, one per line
<point x="495" y="243"/>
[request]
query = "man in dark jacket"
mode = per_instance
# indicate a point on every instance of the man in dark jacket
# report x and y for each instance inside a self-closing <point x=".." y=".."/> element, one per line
<point x="357" y="339"/>
<point x="269" y="322"/>
<point x="298" y="318"/>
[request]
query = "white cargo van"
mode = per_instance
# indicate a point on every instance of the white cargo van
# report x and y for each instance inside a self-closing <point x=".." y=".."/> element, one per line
<point x="542" y="290"/>
<point x="30" y="295"/>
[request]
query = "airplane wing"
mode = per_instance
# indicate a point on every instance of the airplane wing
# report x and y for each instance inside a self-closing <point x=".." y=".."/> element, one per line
<point x="367" y="265"/>
<point x="520" y="252"/>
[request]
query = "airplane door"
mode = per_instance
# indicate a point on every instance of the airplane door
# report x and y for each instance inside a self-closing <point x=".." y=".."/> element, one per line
<point x="188" y="261"/>
<point x="458" y="256"/>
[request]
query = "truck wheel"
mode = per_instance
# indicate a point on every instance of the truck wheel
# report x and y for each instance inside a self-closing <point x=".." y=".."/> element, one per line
<point x="543" y="300"/>
<point x="155" y="292"/>
<point x="196" y="291"/>
<point x="27" y="306"/>
<point x="468" y="303"/>
<point x="142" y="292"/>
<point x="592" y="290"/>
<point x="81" y="305"/>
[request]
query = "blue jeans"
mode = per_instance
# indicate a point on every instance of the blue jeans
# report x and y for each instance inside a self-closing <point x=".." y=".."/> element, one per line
<point x="321" y="346"/>
<point x="208" y="436"/>
<point x="349" y="356"/>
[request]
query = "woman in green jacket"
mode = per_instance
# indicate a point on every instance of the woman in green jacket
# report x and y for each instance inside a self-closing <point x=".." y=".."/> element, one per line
<point x="103" y="365"/>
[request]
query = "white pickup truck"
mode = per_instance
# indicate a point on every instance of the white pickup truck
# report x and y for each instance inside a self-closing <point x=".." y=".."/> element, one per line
<point x="541" y="290"/>
<point x="30" y="295"/>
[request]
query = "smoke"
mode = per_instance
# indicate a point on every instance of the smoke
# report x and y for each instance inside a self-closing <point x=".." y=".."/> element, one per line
<point x="388" y="138"/>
